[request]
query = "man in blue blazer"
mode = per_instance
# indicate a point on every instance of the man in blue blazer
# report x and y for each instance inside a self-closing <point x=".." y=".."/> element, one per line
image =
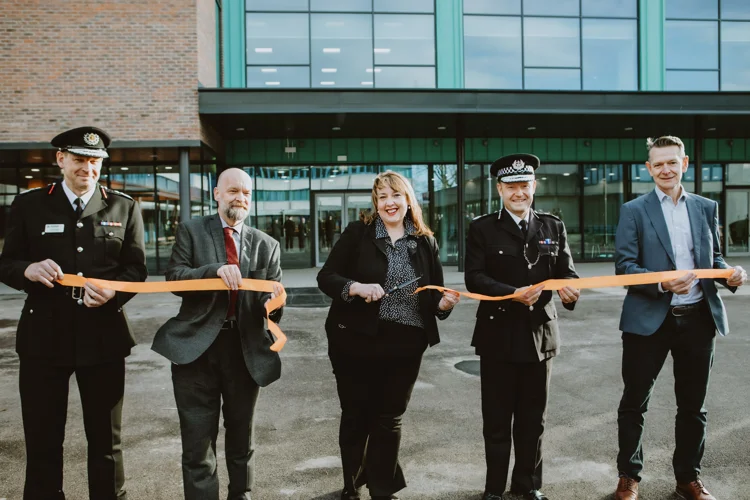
<point x="664" y="230"/>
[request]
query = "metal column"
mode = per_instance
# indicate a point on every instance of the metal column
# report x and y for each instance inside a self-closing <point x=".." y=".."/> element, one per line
<point x="184" y="184"/>
<point x="461" y="208"/>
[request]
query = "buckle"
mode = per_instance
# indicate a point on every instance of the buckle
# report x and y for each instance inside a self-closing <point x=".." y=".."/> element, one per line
<point x="679" y="311"/>
<point x="76" y="292"/>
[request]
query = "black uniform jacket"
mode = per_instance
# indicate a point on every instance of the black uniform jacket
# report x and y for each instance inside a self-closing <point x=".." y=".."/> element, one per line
<point x="495" y="265"/>
<point x="107" y="243"/>
<point x="359" y="256"/>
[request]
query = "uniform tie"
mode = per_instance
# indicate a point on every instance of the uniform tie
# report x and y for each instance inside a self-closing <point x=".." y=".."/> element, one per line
<point x="524" y="229"/>
<point x="79" y="208"/>
<point x="232" y="258"/>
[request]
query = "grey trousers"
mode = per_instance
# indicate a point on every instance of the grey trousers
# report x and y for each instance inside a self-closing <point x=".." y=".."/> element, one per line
<point x="218" y="375"/>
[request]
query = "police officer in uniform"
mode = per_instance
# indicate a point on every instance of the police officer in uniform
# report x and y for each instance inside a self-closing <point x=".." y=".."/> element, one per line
<point x="73" y="226"/>
<point x="509" y="250"/>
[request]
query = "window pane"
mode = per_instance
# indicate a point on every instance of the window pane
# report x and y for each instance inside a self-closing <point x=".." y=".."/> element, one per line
<point x="693" y="9"/>
<point x="278" y="77"/>
<point x="602" y="198"/>
<point x="553" y="79"/>
<point x="738" y="174"/>
<point x="341" y="49"/>
<point x="445" y="212"/>
<point x="609" y="8"/>
<point x="735" y="56"/>
<point x="551" y="42"/>
<point x="404" y="5"/>
<point x="551" y="7"/>
<point x="692" y="45"/>
<point x="492" y="52"/>
<point x="404" y="39"/>
<point x="610" y="54"/>
<point x="405" y="77"/>
<point x="298" y="5"/>
<point x="692" y="80"/>
<point x="557" y="193"/>
<point x="278" y="39"/>
<point x="735" y="9"/>
<point x="341" y="5"/>
<point x="492" y="6"/>
<point x="477" y="186"/>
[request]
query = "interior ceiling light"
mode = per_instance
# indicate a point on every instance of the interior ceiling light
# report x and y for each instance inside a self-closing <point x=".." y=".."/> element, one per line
<point x="335" y="129"/>
<point x="268" y="70"/>
<point x="531" y="128"/>
<point x="441" y="127"/>
<point x="35" y="170"/>
<point x="240" y="129"/>
<point x="328" y="70"/>
<point x="711" y="129"/>
<point x="628" y="128"/>
<point x="366" y="83"/>
<point x="273" y="83"/>
<point x="371" y="70"/>
<point x="331" y="50"/>
<point x="263" y="50"/>
<point x="382" y="51"/>
<point x="328" y="83"/>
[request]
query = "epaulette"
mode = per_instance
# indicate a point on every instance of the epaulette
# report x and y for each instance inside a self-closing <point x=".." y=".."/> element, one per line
<point x="32" y="190"/>
<point x="546" y="214"/>
<point x="492" y="214"/>
<point x="113" y="191"/>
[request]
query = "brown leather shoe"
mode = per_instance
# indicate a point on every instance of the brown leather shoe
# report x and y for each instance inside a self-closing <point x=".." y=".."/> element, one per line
<point x="693" y="491"/>
<point x="627" y="489"/>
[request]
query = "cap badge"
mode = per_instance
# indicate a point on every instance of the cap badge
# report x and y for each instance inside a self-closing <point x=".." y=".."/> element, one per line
<point x="91" y="139"/>
<point x="518" y="165"/>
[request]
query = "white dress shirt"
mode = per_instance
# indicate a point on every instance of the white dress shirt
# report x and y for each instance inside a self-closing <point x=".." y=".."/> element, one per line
<point x="72" y="197"/>
<point x="681" y="236"/>
<point x="518" y="219"/>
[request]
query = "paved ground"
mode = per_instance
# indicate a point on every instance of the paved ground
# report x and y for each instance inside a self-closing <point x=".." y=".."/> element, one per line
<point x="442" y="449"/>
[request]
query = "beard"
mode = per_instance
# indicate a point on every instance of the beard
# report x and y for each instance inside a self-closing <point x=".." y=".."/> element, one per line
<point x="236" y="214"/>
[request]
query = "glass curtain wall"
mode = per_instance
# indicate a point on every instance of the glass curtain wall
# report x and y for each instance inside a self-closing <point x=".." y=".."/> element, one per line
<point x="558" y="192"/>
<point x="446" y="212"/>
<point x="551" y="44"/>
<point x="340" y="44"/>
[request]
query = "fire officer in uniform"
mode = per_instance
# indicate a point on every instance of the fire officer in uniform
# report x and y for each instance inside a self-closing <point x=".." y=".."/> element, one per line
<point x="73" y="226"/>
<point x="515" y="249"/>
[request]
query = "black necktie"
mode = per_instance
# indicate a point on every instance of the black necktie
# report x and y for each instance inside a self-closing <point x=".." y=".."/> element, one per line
<point x="79" y="207"/>
<point x="523" y="227"/>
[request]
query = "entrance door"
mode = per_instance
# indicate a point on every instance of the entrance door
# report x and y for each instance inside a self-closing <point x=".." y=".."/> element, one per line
<point x="737" y="222"/>
<point x="333" y="212"/>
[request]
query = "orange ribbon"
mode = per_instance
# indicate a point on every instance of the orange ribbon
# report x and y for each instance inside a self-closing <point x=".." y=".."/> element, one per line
<point x="598" y="282"/>
<point x="192" y="286"/>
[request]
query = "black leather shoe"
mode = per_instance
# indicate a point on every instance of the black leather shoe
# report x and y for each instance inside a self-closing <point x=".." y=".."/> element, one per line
<point x="491" y="496"/>
<point x="534" y="495"/>
<point x="387" y="497"/>
<point x="350" y="495"/>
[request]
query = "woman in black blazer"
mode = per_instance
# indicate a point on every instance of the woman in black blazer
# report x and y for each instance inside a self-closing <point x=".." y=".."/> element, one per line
<point x="376" y="339"/>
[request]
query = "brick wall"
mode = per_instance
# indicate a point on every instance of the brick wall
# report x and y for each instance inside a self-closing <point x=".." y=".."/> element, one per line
<point x="127" y="66"/>
<point x="207" y="43"/>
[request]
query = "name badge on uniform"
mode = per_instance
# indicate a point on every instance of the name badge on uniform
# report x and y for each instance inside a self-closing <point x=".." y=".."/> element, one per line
<point x="54" y="228"/>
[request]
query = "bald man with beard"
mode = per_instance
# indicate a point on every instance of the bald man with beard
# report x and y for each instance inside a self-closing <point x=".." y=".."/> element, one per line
<point x="217" y="343"/>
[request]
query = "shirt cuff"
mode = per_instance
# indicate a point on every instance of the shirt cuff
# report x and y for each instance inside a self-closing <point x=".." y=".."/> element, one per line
<point x="661" y="290"/>
<point x="345" y="292"/>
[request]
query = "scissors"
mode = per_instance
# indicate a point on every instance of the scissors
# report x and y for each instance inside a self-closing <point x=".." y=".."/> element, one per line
<point x="402" y="285"/>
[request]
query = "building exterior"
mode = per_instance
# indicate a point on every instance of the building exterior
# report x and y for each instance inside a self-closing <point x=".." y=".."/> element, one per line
<point x="314" y="97"/>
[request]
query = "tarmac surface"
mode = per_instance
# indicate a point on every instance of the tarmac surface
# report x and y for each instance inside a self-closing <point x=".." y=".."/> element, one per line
<point x="442" y="449"/>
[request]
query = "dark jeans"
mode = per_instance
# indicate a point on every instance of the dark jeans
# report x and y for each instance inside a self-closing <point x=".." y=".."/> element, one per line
<point x="514" y="409"/>
<point x="199" y="387"/>
<point x="374" y="392"/>
<point x="690" y="339"/>
<point x="44" y="406"/>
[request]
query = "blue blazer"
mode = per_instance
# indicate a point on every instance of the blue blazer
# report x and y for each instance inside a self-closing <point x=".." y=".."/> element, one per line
<point x="643" y="245"/>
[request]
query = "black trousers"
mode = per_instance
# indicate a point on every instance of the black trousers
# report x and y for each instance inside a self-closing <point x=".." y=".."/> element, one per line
<point x="199" y="388"/>
<point x="690" y="339"/>
<point x="289" y="241"/>
<point x="374" y="391"/>
<point x="514" y="409"/>
<point x="44" y="407"/>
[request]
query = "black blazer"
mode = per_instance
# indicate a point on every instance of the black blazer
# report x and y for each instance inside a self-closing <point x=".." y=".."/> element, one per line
<point x="359" y="256"/>
<point x="495" y="265"/>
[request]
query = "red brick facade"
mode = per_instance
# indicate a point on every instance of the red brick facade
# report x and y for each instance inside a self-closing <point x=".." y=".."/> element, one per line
<point x="130" y="67"/>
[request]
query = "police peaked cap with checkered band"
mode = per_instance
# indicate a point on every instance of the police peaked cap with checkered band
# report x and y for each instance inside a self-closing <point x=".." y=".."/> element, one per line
<point x="515" y="168"/>
<point x="83" y="141"/>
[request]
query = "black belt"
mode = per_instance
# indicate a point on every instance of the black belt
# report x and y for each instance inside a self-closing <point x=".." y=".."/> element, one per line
<point x="686" y="309"/>
<point x="229" y="324"/>
<point x="76" y="292"/>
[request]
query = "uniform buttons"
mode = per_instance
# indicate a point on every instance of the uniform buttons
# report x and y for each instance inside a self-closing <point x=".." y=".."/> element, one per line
<point x="119" y="310"/>
<point x="42" y="233"/>
<point x="79" y="274"/>
<point x="531" y="308"/>
<point x="492" y="317"/>
<point x="79" y="302"/>
<point x="79" y="224"/>
<point x="500" y="251"/>
<point x="79" y="249"/>
<point x="31" y="311"/>
<point x="111" y="233"/>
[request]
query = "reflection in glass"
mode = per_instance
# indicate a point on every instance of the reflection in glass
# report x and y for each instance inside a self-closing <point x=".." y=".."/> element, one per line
<point x="553" y="79"/>
<point x="738" y="221"/>
<point x="735" y="9"/>
<point x="609" y="8"/>
<point x="404" y="39"/>
<point x="602" y="198"/>
<point x="329" y="213"/>
<point x="417" y="175"/>
<point x="341" y="5"/>
<point x="405" y="77"/>
<point x="558" y="193"/>
<point x="642" y="183"/>
<point x="610" y="54"/>
<point x="738" y="174"/>
<point x="492" y="52"/>
<point x="492" y="7"/>
<point x="446" y="212"/>
<point x="713" y="176"/>
<point x="551" y="42"/>
<point x="692" y="9"/>
<point x="298" y="5"/>
<point x="735" y="56"/>
<point x="9" y="181"/>
<point x="341" y="49"/>
<point x="5" y="202"/>
<point x="692" y="44"/>
<point x="692" y="80"/>
<point x="475" y="194"/>
<point x="404" y="5"/>
<point x="551" y="7"/>
<point x="278" y="77"/>
<point x="342" y="177"/>
<point x="278" y="39"/>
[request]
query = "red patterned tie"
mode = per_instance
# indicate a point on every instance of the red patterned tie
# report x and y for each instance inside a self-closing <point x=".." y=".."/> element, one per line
<point x="231" y="259"/>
